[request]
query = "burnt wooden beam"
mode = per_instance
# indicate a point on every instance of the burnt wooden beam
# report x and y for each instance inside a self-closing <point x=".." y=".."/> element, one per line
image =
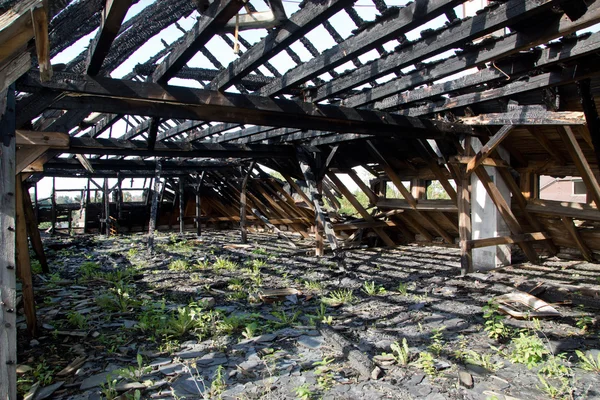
<point x="209" y="23"/>
<point x="546" y="144"/>
<point x="402" y="21"/>
<point x="152" y="132"/>
<point x="463" y="201"/>
<point x="296" y="27"/>
<point x="142" y="98"/>
<point x="550" y="79"/>
<point x="140" y="148"/>
<point x="451" y="37"/>
<point x="70" y="164"/>
<point x="591" y="183"/>
<point x="496" y="241"/>
<point x="112" y="17"/>
<point x="574" y="233"/>
<point x="33" y="230"/>
<point x="154" y="207"/>
<point x="527" y="116"/>
<point x="591" y="114"/>
<point x="387" y="96"/>
<point x="488" y="148"/>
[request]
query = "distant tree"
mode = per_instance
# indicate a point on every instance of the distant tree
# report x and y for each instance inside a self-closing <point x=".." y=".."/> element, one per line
<point x="127" y="197"/>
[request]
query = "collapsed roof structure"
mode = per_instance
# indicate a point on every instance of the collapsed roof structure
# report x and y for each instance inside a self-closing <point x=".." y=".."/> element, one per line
<point x="491" y="101"/>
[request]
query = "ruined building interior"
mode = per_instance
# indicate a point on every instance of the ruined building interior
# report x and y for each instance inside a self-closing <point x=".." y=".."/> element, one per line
<point x="279" y="199"/>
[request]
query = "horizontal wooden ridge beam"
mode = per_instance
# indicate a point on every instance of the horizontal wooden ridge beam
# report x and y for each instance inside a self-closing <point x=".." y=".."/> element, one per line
<point x="166" y="101"/>
<point x="81" y="145"/>
<point x="527" y="117"/>
<point x="563" y="209"/>
<point x="421" y="205"/>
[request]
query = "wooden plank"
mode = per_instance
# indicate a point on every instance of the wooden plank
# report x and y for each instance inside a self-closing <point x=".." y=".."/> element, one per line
<point x="113" y="14"/>
<point x="27" y="155"/>
<point x="199" y="205"/>
<point x="57" y="140"/>
<point x="208" y="24"/>
<point x="422" y="205"/>
<point x="23" y="261"/>
<point x="363" y="225"/>
<point x="493" y="51"/>
<point x="395" y="25"/>
<point x="505" y="211"/>
<point x="585" y="250"/>
<point x="591" y="114"/>
<point x="297" y="26"/>
<point x="140" y="98"/>
<point x="546" y="144"/>
<point x="487" y="162"/>
<point x="16" y="27"/>
<point x="8" y="284"/>
<point x="527" y="117"/>
<point x="489" y="147"/>
<point x="12" y="68"/>
<point x="362" y="186"/>
<point x="568" y="137"/>
<point x="299" y="191"/>
<point x="451" y="37"/>
<point x="39" y="15"/>
<point x="568" y="209"/>
<point x="361" y="210"/>
<point x="181" y="197"/>
<point x="34" y="232"/>
<point x="496" y="241"/>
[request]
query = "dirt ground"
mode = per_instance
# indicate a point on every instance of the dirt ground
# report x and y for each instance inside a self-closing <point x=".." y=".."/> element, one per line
<point x="198" y="319"/>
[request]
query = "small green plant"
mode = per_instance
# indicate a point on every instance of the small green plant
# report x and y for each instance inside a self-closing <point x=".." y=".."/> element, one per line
<point x="528" y="349"/>
<point x="555" y="367"/>
<point x="402" y="288"/>
<point x="401" y="352"/>
<point x="313" y="285"/>
<point x="371" y="289"/>
<point x="109" y="388"/>
<point x="218" y="384"/>
<point x="89" y="270"/>
<point x="231" y="324"/>
<point x="339" y="297"/>
<point x="583" y="321"/>
<point x="284" y="318"/>
<point x="224" y="264"/>
<point x="427" y="363"/>
<point x="303" y="392"/>
<point x="494" y="324"/>
<point x="134" y="373"/>
<point x="324" y="373"/>
<point x="202" y="265"/>
<point x="437" y="343"/>
<point x="236" y="284"/>
<point x="250" y="330"/>
<point x="561" y="391"/>
<point x="587" y="362"/>
<point x="77" y="320"/>
<point x="179" y="265"/>
<point x="260" y="251"/>
<point x="43" y="373"/>
<point x="484" y="360"/>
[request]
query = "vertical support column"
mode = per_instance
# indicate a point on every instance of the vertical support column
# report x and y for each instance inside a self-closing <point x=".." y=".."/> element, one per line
<point x="199" y="206"/>
<point x="85" y="211"/>
<point x="53" y="199"/>
<point x="319" y="245"/>
<point x="181" y="205"/>
<point x="23" y="261"/>
<point x="106" y="208"/>
<point x="34" y="232"/>
<point x="464" y="223"/>
<point x="154" y="207"/>
<point x="35" y="204"/>
<point x="418" y="188"/>
<point x="486" y="219"/>
<point x="8" y="284"/>
<point x="243" y="203"/>
<point x="119" y="199"/>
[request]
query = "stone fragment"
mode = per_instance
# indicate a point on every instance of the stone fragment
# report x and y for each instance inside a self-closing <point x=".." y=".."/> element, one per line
<point x="94" y="380"/>
<point x="465" y="379"/>
<point x="312" y="342"/>
<point x="376" y="373"/>
<point x="47" y="391"/>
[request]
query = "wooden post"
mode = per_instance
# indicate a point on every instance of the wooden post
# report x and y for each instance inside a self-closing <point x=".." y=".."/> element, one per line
<point x="119" y="199"/>
<point x="34" y="232"/>
<point x="243" y="203"/>
<point x="199" y="205"/>
<point x="8" y="284"/>
<point x="418" y="188"/>
<point x="87" y="202"/>
<point x="106" y="208"/>
<point x="464" y="223"/>
<point x="23" y="261"/>
<point x="36" y="209"/>
<point x="154" y="207"/>
<point x="53" y="230"/>
<point x="591" y="114"/>
<point x="181" y="205"/>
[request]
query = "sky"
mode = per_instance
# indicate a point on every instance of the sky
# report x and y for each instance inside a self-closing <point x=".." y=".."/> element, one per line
<point x="282" y="62"/>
